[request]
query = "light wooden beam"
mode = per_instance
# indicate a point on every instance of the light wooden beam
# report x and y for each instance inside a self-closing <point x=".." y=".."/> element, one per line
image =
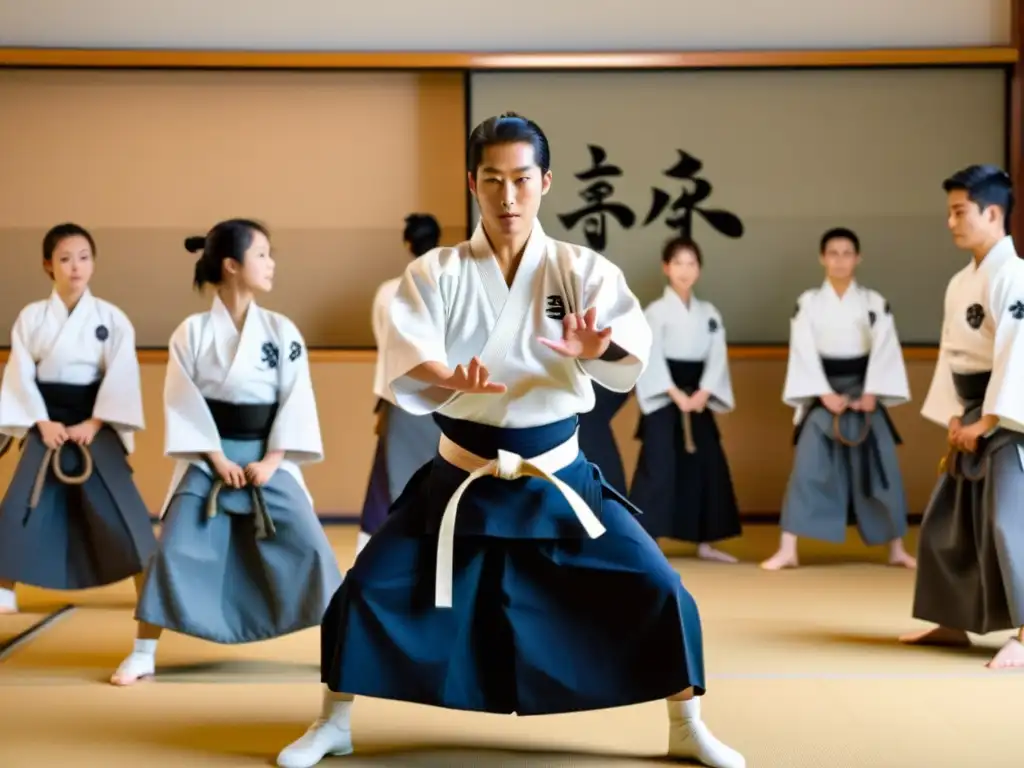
<point x="212" y="59"/>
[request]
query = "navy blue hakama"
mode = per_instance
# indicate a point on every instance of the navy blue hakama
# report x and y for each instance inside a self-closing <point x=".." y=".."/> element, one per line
<point x="597" y="441"/>
<point x="544" y="619"/>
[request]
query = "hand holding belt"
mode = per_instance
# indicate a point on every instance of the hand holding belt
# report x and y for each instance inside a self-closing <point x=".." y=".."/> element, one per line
<point x="954" y="464"/>
<point x="51" y="459"/>
<point x="837" y="430"/>
<point x="264" y="523"/>
<point x="508" y="466"/>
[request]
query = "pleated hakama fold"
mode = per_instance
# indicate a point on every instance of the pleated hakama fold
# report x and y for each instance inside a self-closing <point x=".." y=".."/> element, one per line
<point x="544" y="619"/>
<point x="846" y="471"/>
<point x="248" y="564"/>
<point x="970" y="561"/>
<point x="685" y="496"/>
<point x="60" y="531"/>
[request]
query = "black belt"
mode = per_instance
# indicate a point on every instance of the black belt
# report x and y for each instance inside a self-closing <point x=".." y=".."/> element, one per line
<point x="237" y="421"/>
<point x="69" y="404"/>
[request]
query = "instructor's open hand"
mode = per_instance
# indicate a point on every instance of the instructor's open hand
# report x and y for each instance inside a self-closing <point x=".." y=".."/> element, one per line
<point x="474" y="379"/>
<point x="580" y="337"/>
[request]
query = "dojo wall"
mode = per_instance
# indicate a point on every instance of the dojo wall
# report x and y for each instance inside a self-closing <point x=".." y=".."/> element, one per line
<point x="787" y="154"/>
<point x="332" y="161"/>
<point x="757" y="437"/>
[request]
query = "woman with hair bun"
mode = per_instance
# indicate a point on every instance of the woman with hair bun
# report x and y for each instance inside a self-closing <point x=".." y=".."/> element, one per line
<point x="243" y="556"/>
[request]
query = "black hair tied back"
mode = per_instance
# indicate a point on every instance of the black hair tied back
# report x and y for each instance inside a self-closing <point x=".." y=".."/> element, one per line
<point x="196" y="244"/>
<point x="226" y="240"/>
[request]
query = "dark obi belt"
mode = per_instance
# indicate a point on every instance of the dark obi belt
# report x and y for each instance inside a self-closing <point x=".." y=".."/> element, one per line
<point x="842" y="367"/>
<point x="69" y="404"/>
<point x="971" y="387"/>
<point x="242" y="421"/>
<point x="686" y="374"/>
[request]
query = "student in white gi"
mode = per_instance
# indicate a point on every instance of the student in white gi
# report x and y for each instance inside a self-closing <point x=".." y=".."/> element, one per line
<point x="845" y="371"/>
<point x="971" y="546"/>
<point x="404" y="442"/>
<point x="72" y="517"/>
<point x="243" y="556"/>
<point x="547" y="596"/>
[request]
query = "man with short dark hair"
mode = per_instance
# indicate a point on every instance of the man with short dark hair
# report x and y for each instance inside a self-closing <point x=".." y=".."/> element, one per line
<point x="971" y="552"/>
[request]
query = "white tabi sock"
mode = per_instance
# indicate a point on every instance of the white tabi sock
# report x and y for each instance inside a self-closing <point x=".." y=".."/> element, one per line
<point x="337" y="709"/>
<point x="8" y="600"/>
<point x="690" y="738"/>
<point x="679" y="711"/>
<point x="145" y="647"/>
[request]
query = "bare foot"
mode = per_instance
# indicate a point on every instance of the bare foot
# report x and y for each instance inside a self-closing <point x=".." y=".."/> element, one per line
<point x="902" y="559"/>
<point x="943" y="636"/>
<point x="1010" y="656"/>
<point x="707" y="552"/>
<point x="781" y="559"/>
<point x="6" y="610"/>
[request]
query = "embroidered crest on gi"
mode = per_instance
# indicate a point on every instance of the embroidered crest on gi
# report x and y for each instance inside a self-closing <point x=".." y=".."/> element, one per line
<point x="712" y="325"/>
<point x="271" y="354"/>
<point x="1017" y="310"/>
<point x="294" y="351"/>
<point x="102" y="333"/>
<point x="555" y="308"/>
<point x="872" y="317"/>
<point x="975" y="316"/>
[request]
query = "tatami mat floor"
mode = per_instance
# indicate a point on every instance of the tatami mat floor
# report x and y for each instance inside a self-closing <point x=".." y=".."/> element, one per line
<point x="804" y="672"/>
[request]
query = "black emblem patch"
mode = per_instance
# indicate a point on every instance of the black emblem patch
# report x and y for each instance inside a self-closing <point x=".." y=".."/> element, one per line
<point x="294" y="351"/>
<point x="888" y="311"/>
<point x="975" y="316"/>
<point x="872" y="317"/>
<point x="271" y="354"/>
<point x="796" y="310"/>
<point x="1017" y="310"/>
<point x="102" y="333"/>
<point x="555" y="308"/>
<point x="712" y="325"/>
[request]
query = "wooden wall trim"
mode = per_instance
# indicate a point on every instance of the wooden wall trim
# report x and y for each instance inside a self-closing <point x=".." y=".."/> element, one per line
<point x="347" y="356"/>
<point x="213" y="59"/>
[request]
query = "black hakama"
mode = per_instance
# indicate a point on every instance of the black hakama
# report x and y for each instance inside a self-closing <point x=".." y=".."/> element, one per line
<point x="73" y="533"/>
<point x="970" y="561"/>
<point x="544" y="619"/>
<point x="597" y="441"/>
<point x="684" y="496"/>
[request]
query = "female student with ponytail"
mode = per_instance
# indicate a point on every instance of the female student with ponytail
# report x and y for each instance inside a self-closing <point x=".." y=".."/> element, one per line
<point x="242" y="556"/>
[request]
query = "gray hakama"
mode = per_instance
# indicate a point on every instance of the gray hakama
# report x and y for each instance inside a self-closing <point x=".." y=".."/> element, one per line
<point x="845" y="471"/>
<point x="970" y="562"/>
<point x="253" y="565"/>
<point x="84" y="525"/>
<point x="405" y="444"/>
